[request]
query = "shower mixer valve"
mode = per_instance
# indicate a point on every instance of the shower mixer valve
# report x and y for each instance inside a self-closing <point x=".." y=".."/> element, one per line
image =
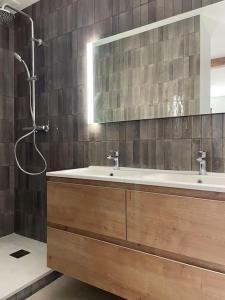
<point x="38" y="128"/>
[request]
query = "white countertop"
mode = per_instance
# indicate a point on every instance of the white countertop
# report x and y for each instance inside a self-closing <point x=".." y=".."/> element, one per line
<point x="214" y="182"/>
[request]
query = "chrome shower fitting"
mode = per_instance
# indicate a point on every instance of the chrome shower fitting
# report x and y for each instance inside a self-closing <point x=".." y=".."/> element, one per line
<point x="7" y="16"/>
<point x="18" y="57"/>
<point x="39" y="42"/>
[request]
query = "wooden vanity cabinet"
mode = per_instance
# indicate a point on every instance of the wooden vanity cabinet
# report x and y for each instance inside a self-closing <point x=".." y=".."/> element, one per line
<point x="138" y="242"/>
<point x="130" y="273"/>
<point x="188" y="226"/>
<point x="98" y="209"/>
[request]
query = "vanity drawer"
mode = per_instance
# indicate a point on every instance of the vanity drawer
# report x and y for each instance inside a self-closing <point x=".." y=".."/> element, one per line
<point x="129" y="273"/>
<point x="187" y="226"/>
<point x="95" y="209"/>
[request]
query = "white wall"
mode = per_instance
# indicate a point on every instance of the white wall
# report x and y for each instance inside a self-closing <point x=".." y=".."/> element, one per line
<point x="218" y="104"/>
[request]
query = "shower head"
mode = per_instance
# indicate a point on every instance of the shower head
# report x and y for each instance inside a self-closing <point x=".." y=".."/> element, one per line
<point x="18" y="57"/>
<point x="7" y="13"/>
<point x="6" y="17"/>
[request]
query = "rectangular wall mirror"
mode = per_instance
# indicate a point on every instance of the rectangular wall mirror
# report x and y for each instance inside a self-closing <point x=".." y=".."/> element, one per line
<point x="174" y="67"/>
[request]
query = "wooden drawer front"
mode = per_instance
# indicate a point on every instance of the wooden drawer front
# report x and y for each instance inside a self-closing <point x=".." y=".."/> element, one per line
<point x="182" y="225"/>
<point x="128" y="273"/>
<point x="95" y="209"/>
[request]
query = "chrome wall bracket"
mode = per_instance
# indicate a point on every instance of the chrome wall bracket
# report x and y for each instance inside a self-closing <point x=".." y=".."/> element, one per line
<point x="32" y="78"/>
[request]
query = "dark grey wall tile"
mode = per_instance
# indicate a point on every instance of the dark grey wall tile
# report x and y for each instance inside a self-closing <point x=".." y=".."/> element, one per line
<point x="122" y="131"/>
<point x="152" y="11"/>
<point x="177" y="154"/>
<point x="129" y="153"/>
<point x="125" y="21"/>
<point x="168" y="163"/>
<point x="196" y="147"/>
<point x="112" y="131"/>
<point x="187" y="127"/>
<point x="4" y="175"/>
<point x="144" y="154"/>
<point x="144" y="14"/>
<point x="159" y="128"/>
<point x="6" y="130"/>
<point x="152" y="154"/>
<point x="160" y="157"/>
<point x="207" y="126"/>
<point x="177" y="128"/>
<point x="97" y="132"/>
<point x="217" y="126"/>
<point x="4" y="154"/>
<point x="144" y="124"/>
<point x="217" y="155"/>
<point x="168" y="128"/>
<point x="181" y="154"/>
<point x="136" y="16"/>
<point x="196" y="127"/>
<point x="103" y="9"/>
<point x="132" y="130"/>
<point x="136" y="154"/>
<point x="122" y="147"/>
<point x="85" y="12"/>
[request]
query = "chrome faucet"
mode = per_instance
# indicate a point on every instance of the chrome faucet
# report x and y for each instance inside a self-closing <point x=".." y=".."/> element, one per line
<point x="115" y="157"/>
<point x="202" y="162"/>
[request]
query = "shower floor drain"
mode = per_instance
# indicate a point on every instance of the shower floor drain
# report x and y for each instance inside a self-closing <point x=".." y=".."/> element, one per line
<point x="19" y="253"/>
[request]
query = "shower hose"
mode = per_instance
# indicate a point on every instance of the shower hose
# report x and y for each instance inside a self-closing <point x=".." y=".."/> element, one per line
<point x="32" y="132"/>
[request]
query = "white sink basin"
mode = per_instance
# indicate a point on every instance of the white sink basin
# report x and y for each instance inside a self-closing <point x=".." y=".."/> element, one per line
<point x="187" y="178"/>
<point x="97" y="172"/>
<point x="177" y="179"/>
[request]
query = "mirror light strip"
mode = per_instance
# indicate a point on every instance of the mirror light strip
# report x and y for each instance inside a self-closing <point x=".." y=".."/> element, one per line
<point x="90" y="83"/>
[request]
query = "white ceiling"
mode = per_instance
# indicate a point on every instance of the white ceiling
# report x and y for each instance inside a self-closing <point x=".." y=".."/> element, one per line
<point x="20" y="4"/>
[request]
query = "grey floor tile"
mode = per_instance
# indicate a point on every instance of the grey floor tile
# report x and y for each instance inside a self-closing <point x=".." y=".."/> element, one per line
<point x="66" y="288"/>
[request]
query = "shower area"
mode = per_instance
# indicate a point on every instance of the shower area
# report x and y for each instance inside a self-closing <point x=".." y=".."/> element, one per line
<point x="55" y="128"/>
<point x="23" y="155"/>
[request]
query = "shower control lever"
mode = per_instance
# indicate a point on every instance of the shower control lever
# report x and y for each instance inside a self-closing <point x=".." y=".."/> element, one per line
<point x="43" y="128"/>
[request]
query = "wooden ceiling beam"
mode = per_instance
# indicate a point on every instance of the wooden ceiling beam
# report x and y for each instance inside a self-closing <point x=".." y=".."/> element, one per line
<point x="218" y="62"/>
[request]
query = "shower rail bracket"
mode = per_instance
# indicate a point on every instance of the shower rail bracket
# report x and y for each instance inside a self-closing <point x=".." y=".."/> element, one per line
<point x="39" y="42"/>
<point x="32" y="78"/>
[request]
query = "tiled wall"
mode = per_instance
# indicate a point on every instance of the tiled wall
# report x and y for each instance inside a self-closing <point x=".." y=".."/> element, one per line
<point x="66" y="26"/>
<point x="6" y="131"/>
<point x="171" y="143"/>
<point x="154" y="74"/>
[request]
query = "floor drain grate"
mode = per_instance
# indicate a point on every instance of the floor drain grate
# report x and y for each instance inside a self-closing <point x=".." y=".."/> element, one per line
<point x="19" y="253"/>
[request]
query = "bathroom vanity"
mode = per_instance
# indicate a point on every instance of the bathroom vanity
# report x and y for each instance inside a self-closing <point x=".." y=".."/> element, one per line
<point x="140" y="234"/>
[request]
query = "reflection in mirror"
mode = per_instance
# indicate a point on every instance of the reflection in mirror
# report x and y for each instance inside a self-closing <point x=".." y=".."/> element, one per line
<point x="147" y="75"/>
<point x="175" y="67"/>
